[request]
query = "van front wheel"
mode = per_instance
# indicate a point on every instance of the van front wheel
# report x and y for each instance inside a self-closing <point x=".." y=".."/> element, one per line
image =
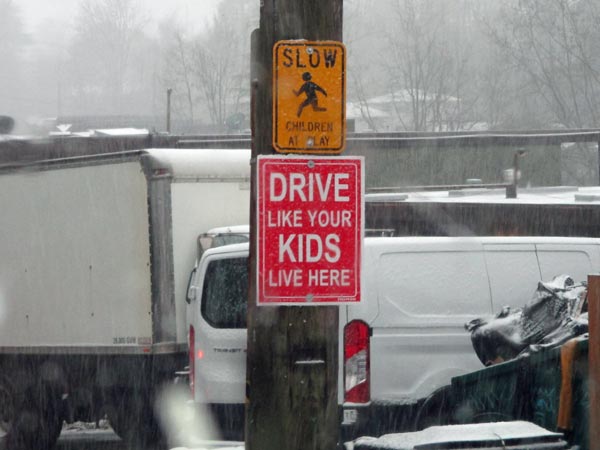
<point x="132" y="418"/>
<point x="435" y="410"/>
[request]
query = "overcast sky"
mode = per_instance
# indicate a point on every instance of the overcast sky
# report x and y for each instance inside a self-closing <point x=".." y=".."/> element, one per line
<point x="191" y="12"/>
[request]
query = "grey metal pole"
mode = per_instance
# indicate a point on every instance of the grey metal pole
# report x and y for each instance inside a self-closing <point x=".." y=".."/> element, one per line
<point x="169" y="92"/>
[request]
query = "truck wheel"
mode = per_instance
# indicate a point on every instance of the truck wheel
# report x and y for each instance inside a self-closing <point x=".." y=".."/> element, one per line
<point x="132" y="418"/>
<point x="7" y="407"/>
<point x="33" y="420"/>
<point x="435" y="410"/>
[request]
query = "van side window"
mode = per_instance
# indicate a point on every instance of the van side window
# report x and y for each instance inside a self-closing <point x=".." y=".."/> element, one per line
<point x="558" y="260"/>
<point x="191" y="289"/>
<point x="447" y="284"/>
<point x="514" y="273"/>
<point x="225" y="293"/>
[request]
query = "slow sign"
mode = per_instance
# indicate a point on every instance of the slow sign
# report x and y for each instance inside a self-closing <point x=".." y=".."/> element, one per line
<point x="310" y="227"/>
<point x="309" y="97"/>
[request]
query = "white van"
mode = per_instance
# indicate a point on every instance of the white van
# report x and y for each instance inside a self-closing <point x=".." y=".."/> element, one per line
<point x="418" y="294"/>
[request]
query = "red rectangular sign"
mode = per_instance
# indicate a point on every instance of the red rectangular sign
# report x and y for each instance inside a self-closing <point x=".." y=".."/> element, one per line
<point x="310" y="230"/>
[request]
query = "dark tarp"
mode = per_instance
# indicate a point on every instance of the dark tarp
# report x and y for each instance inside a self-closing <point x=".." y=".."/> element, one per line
<point x="556" y="313"/>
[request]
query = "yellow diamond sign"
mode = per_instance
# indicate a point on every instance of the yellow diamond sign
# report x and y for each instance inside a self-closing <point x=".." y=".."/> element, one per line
<point x="309" y="97"/>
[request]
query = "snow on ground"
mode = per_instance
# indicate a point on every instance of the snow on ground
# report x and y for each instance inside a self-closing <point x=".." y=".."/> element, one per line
<point x="208" y="447"/>
<point x="213" y="445"/>
<point x="100" y="431"/>
<point x="481" y="432"/>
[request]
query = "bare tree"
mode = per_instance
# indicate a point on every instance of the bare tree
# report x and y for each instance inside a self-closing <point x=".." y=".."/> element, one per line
<point x="554" y="44"/>
<point x="215" y="77"/>
<point x="362" y="38"/>
<point x="426" y="68"/>
<point x="209" y="70"/>
<point x="12" y="35"/>
<point x="177" y="70"/>
<point x="13" y="40"/>
<point x="220" y="64"/>
<point x="106" y="31"/>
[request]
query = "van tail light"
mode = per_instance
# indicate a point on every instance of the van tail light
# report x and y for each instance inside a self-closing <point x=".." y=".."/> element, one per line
<point x="191" y="357"/>
<point x="356" y="362"/>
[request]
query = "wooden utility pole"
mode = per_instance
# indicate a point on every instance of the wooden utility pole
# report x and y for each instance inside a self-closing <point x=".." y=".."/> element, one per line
<point x="594" y="361"/>
<point x="290" y="404"/>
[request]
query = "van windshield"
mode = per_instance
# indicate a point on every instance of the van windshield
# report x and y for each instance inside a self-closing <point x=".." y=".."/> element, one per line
<point x="225" y="293"/>
<point x="227" y="239"/>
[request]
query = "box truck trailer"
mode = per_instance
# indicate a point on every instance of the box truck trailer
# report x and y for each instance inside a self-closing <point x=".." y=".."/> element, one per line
<point x="95" y="254"/>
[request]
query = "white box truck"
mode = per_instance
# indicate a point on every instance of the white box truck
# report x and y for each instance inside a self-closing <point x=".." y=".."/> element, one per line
<point x="95" y="254"/>
<point x="404" y="341"/>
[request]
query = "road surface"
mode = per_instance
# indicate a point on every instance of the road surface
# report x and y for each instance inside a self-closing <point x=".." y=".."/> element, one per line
<point x="106" y="439"/>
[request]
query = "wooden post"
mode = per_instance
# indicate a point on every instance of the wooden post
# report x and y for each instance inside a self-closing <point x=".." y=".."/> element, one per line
<point x="598" y="162"/>
<point x="288" y="405"/>
<point x="594" y="361"/>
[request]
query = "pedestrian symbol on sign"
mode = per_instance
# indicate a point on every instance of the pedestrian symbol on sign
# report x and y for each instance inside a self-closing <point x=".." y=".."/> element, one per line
<point x="310" y="89"/>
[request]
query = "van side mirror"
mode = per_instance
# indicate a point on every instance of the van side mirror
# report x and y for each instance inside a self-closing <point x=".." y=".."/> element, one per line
<point x="191" y="289"/>
<point x="191" y="296"/>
